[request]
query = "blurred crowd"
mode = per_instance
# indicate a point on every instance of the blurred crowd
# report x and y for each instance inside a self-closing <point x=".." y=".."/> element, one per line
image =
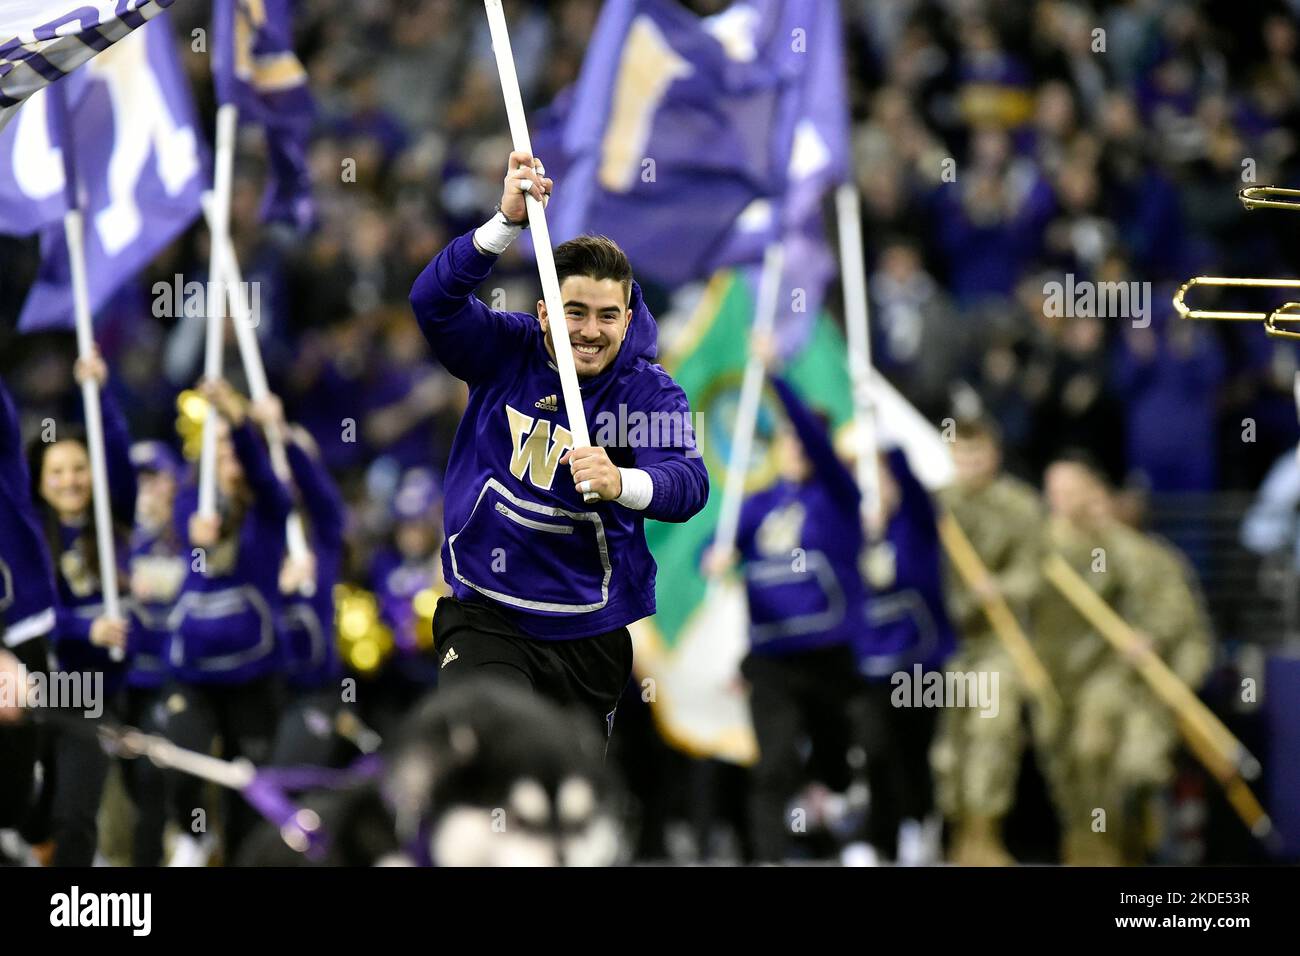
<point x="1006" y="147"/>
<point x="999" y="148"/>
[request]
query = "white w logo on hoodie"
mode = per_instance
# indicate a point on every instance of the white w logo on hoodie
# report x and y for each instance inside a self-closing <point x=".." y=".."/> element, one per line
<point x="533" y="450"/>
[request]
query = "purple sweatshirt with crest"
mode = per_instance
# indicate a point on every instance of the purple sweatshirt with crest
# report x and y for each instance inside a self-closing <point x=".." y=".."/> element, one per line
<point x="225" y="622"/>
<point x="519" y="535"/>
<point x="80" y="596"/>
<point x="817" y="600"/>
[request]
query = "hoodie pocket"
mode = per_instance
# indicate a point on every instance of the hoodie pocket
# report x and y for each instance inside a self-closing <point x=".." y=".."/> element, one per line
<point x="785" y="603"/>
<point x="221" y="630"/>
<point x="900" y="632"/>
<point x="305" y="641"/>
<point x="532" y="556"/>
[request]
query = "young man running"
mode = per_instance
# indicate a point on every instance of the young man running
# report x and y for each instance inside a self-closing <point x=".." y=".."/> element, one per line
<point x="544" y="584"/>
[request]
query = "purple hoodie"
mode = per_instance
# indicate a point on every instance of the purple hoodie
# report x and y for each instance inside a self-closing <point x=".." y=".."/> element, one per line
<point x="819" y="600"/>
<point x="519" y="536"/>
<point x="27" y="597"/>
<point x="225" y="619"/>
<point x="79" y="598"/>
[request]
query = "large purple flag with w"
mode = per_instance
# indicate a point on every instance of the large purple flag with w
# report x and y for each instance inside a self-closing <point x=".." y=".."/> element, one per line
<point x="694" y="142"/>
<point x="139" y="161"/>
<point x="254" y="67"/>
<point x="42" y="41"/>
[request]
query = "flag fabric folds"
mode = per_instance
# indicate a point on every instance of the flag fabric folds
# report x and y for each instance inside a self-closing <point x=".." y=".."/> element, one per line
<point x="695" y="141"/>
<point x="255" y="68"/>
<point x="42" y="41"/>
<point x="140" y="165"/>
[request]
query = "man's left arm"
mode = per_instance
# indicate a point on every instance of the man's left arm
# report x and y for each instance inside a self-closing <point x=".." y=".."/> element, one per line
<point x="676" y="483"/>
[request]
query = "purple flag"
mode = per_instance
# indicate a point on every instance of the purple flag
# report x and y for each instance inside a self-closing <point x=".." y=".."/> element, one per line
<point x="254" y="67"/>
<point x="44" y="40"/>
<point x="813" y="128"/>
<point x="140" y="166"/>
<point x="694" y="142"/>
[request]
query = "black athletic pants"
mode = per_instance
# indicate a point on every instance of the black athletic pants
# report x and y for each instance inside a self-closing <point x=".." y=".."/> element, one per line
<point x="897" y="743"/>
<point x="585" y="673"/>
<point x="244" y="716"/>
<point x="74" y="769"/>
<point x="792" y="697"/>
<point x="20" y="745"/>
<point x="145" y="708"/>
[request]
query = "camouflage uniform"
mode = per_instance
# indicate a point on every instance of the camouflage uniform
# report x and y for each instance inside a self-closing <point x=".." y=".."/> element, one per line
<point x="1112" y="745"/>
<point x="976" y="759"/>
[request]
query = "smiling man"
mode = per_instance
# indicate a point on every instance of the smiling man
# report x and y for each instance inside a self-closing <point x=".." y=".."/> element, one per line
<point x="543" y="585"/>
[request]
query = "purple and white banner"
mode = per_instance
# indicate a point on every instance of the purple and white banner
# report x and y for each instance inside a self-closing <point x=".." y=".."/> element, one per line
<point x="139" y="160"/>
<point x="44" y="40"/>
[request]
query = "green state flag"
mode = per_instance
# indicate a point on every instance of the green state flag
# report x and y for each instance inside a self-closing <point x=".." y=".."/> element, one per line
<point x="688" y="653"/>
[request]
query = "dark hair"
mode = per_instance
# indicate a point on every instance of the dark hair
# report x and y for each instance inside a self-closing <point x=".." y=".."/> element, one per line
<point x="86" y="541"/>
<point x="979" y="427"/>
<point x="597" y="257"/>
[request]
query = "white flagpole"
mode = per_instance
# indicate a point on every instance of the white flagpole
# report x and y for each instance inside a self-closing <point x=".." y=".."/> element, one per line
<point x="219" y="229"/>
<point x="250" y="353"/>
<point x="853" y="274"/>
<point x="751" y="394"/>
<point x="541" y="234"/>
<point x="74" y="233"/>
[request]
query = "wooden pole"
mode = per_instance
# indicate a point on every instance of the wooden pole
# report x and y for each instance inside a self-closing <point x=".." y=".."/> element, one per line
<point x="973" y="571"/>
<point x="1208" y="739"/>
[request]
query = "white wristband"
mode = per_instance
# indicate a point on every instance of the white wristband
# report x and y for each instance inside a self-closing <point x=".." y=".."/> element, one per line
<point x="638" y="489"/>
<point x="495" y="235"/>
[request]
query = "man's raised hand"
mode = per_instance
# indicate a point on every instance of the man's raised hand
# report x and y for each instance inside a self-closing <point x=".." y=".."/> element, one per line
<point x="525" y="175"/>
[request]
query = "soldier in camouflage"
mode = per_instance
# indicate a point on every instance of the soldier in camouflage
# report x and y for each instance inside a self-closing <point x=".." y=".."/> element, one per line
<point x="1110" y="749"/>
<point x="975" y="756"/>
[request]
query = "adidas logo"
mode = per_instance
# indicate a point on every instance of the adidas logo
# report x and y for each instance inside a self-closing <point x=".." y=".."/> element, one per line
<point x="450" y="656"/>
<point x="550" y="403"/>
